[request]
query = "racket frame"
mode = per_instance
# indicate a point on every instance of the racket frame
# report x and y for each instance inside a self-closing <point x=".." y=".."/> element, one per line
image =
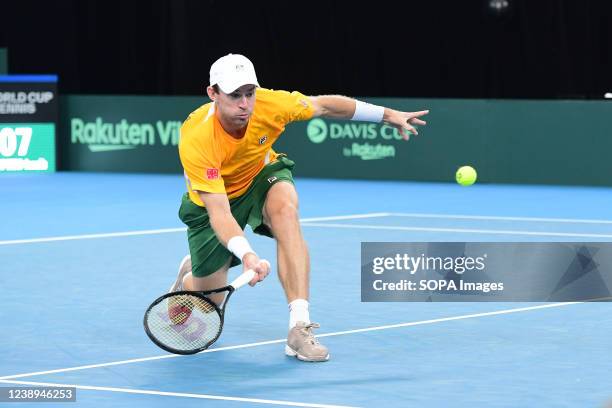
<point x="202" y="295"/>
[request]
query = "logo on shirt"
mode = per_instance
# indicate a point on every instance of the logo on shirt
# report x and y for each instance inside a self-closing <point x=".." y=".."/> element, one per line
<point x="263" y="139"/>
<point x="212" y="174"/>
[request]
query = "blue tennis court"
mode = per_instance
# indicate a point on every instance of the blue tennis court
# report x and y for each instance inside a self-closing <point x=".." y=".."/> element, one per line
<point x="83" y="255"/>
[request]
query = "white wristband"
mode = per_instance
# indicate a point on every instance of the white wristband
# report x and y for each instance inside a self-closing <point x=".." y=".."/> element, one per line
<point x="239" y="246"/>
<point x="367" y="112"/>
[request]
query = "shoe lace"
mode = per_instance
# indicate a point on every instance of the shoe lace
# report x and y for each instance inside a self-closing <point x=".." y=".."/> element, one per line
<point x="307" y="332"/>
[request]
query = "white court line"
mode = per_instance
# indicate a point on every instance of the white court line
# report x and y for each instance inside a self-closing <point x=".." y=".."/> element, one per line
<point x="242" y="346"/>
<point x="176" y="394"/>
<point x="310" y="222"/>
<point x="138" y="360"/>
<point x="346" y="217"/>
<point x="468" y="230"/>
<point x="167" y="230"/>
<point x="92" y="236"/>
<point x="448" y="319"/>
<point x="500" y="218"/>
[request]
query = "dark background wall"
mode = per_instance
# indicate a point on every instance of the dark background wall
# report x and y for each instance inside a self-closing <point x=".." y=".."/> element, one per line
<point x="444" y="48"/>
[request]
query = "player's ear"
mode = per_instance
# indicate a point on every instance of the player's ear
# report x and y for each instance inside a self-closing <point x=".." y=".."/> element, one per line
<point x="212" y="94"/>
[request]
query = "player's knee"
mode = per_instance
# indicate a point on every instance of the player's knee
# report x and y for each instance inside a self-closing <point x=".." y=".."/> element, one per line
<point x="287" y="213"/>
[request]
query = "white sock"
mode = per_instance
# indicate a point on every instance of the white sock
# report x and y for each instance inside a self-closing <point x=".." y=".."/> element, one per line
<point x="298" y="312"/>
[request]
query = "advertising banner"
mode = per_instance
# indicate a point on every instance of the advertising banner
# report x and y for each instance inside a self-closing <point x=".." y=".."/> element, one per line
<point x="28" y="122"/>
<point x="526" y="142"/>
<point x="123" y="133"/>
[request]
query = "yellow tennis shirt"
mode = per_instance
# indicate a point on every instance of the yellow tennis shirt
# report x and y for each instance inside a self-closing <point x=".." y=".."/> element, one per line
<point x="215" y="162"/>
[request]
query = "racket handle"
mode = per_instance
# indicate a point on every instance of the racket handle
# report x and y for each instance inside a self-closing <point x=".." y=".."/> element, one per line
<point x="245" y="278"/>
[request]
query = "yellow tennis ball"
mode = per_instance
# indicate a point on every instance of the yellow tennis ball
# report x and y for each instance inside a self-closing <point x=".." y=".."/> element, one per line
<point x="466" y="176"/>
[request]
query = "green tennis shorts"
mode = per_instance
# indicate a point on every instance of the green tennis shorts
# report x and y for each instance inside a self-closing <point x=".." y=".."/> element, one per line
<point x="208" y="255"/>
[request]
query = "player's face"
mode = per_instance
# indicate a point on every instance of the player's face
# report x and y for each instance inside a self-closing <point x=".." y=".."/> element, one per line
<point x="235" y="108"/>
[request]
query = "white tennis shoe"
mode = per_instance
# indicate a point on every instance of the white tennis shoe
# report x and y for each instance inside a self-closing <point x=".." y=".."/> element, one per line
<point x="302" y="343"/>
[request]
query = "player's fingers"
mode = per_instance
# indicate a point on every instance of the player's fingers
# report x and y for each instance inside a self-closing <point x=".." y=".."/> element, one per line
<point x="405" y="134"/>
<point x="419" y="113"/>
<point x="416" y="121"/>
<point x="258" y="278"/>
<point x="262" y="269"/>
<point x="411" y="129"/>
<point x="261" y="275"/>
<point x="255" y="278"/>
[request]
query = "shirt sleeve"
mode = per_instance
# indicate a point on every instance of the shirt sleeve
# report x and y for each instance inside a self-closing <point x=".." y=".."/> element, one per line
<point x="294" y="106"/>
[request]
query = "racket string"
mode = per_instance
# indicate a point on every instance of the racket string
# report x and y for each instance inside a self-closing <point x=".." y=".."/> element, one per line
<point x="184" y="322"/>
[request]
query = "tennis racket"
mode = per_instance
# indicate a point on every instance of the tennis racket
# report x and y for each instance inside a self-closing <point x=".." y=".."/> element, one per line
<point x="187" y="322"/>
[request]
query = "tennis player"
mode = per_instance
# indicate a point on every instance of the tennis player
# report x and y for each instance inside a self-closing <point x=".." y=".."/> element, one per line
<point x="235" y="178"/>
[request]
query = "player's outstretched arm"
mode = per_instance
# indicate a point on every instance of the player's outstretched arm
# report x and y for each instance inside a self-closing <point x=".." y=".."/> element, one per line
<point x="342" y="107"/>
<point x="231" y="235"/>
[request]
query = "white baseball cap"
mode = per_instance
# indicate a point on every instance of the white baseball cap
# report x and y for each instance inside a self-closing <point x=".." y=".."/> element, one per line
<point x="231" y="72"/>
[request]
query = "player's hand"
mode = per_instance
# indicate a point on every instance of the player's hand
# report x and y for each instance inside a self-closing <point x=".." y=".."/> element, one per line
<point x="404" y="121"/>
<point x="260" y="266"/>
